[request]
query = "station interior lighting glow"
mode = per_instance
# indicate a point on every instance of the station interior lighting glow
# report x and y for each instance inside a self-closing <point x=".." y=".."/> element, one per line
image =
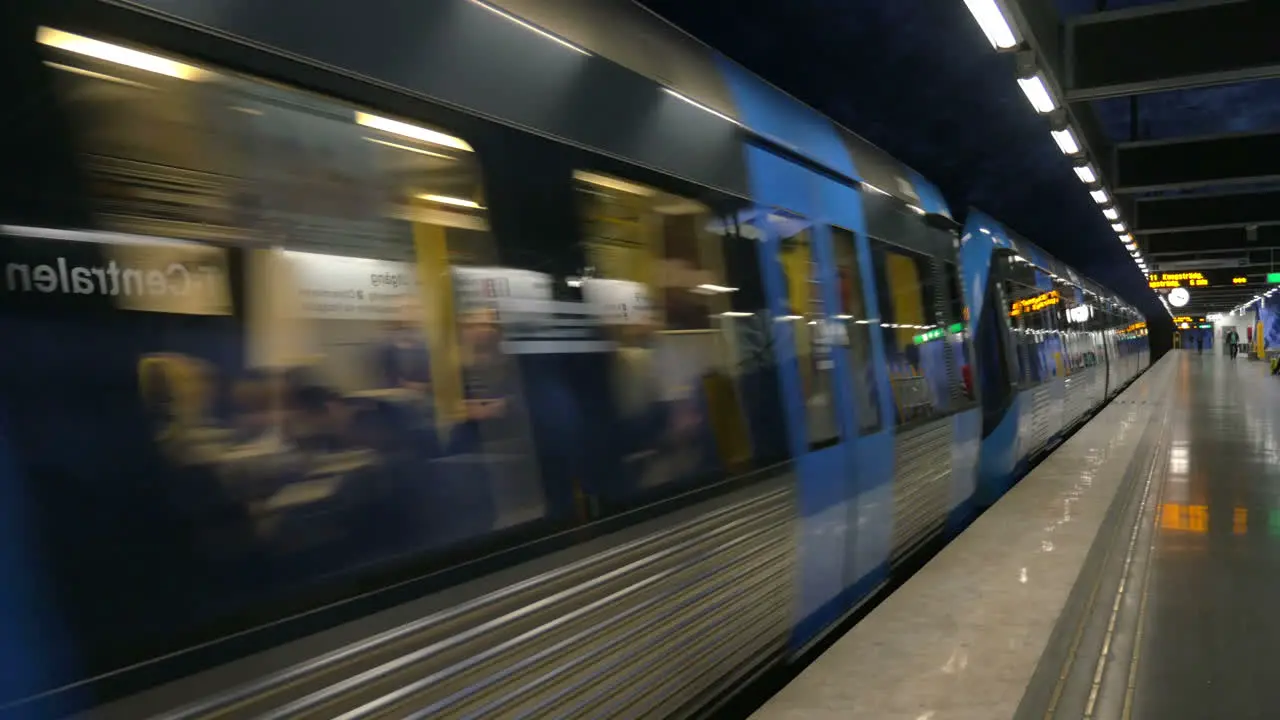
<point x="1100" y="196"/>
<point x="1111" y="214"/>
<point x="1118" y="227"/>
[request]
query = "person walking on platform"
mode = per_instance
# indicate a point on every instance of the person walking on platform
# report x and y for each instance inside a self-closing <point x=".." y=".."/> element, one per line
<point x="1233" y="342"/>
<point x="1199" y="344"/>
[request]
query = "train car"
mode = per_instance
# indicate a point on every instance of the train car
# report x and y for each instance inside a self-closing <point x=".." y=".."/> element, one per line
<point x="471" y="358"/>
<point x="1052" y="346"/>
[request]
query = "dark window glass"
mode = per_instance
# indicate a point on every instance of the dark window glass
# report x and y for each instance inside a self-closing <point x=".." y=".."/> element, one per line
<point x="922" y="372"/>
<point x="692" y="371"/>
<point x="809" y="320"/>
<point x="857" y="323"/>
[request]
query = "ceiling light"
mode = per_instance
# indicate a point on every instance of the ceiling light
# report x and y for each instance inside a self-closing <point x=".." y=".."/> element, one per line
<point x="1130" y="246"/>
<point x="528" y="26"/>
<point x="446" y="200"/>
<point x="1066" y="140"/>
<point x="1111" y="214"/>
<point x="1126" y="238"/>
<point x="1037" y="93"/>
<point x="116" y="54"/>
<point x="1118" y="227"/>
<point x="395" y="127"/>
<point x="1100" y="197"/>
<point x="1086" y="174"/>
<point x="998" y="30"/>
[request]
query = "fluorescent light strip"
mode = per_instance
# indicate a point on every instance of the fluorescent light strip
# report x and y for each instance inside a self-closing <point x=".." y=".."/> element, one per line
<point x="116" y="54"/>
<point x="717" y="288"/>
<point x="700" y="106"/>
<point x="94" y="236"/>
<point x="873" y="188"/>
<point x="98" y="75"/>
<point x="1100" y="197"/>
<point x="1066" y="140"/>
<point x="993" y="23"/>
<point x="446" y="200"/>
<point x="414" y="132"/>
<point x="1086" y="174"/>
<point x="605" y="181"/>
<point x="1037" y="93"/>
<point x="398" y="146"/>
<point x="1111" y="214"/>
<point x="1118" y="227"/>
<point x="528" y="26"/>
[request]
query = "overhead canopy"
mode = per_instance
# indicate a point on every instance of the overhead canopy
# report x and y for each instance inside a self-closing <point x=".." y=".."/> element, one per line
<point x="1162" y="95"/>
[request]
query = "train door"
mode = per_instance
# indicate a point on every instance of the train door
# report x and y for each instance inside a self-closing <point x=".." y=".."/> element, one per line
<point x="794" y="253"/>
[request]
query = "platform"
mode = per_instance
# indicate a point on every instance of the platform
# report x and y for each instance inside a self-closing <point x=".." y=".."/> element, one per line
<point x="1132" y="574"/>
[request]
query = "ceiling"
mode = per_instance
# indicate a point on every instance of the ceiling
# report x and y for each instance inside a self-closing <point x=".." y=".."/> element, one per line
<point x="1177" y="102"/>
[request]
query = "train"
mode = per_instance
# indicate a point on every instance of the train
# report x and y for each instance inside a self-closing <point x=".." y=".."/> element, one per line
<point x="472" y="358"/>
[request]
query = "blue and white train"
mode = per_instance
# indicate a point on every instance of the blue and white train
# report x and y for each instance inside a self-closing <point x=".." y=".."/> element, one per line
<point x="477" y="359"/>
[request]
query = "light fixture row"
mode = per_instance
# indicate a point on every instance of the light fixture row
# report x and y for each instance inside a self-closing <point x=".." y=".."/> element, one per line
<point x="994" y="19"/>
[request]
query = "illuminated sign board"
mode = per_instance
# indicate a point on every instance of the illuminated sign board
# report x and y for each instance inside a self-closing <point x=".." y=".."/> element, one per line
<point x="1182" y="319"/>
<point x="1185" y="279"/>
<point x="1205" y="326"/>
<point x="1135" y="327"/>
<point x="1039" y="302"/>
<point x="1273" y="278"/>
<point x="1239" y="280"/>
<point x="937" y="333"/>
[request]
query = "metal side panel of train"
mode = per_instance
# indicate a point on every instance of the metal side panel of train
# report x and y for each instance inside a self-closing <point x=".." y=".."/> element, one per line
<point x="589" y="639"/>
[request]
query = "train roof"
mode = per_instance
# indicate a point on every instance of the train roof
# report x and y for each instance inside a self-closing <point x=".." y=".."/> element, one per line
<point x="1002" y="236"/>
<point x="589" y="72"/>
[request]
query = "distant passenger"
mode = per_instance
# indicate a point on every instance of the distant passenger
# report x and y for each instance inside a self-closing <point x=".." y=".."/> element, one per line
<point x="1233" y="343"/>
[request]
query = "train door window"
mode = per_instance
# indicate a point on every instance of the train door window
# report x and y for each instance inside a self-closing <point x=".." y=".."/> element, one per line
<point x="857" y="324"/>
<point x="678" y="287"/>
<point x="806" y="312"/>
<point x="913" y="329"/>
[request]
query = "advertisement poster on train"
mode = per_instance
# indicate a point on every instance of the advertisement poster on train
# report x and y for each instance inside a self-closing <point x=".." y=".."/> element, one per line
<point x="334" y="287"/>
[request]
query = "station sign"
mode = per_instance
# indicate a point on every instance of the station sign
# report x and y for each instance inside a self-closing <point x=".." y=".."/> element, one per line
<point x="1239" y="280"/>
<point x="1273" y="278"/>
<point x="1177" y="280"/>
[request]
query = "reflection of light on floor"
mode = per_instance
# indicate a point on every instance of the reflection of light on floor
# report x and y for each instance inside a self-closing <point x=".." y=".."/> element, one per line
<point x="1240" y="521"/>
<point x="1179" y="459"/>
<point x="1185" y="518"/>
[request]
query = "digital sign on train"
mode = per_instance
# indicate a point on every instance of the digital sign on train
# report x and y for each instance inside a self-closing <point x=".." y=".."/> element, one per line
<point x="1174" y="280"/>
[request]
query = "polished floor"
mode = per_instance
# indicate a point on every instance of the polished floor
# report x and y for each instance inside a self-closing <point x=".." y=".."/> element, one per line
<point x="1210" y="629"/>
<point x="1134" y="574"/>
<point x="963" y="637"/>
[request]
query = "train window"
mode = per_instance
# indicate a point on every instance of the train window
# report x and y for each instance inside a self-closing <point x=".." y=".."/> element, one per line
<point x="913" y="327"/>
<point x="857" y="323"/>
<point x="678" y="289"/>
<point x="811" y="326"/>
<point x="297" y="367"/>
